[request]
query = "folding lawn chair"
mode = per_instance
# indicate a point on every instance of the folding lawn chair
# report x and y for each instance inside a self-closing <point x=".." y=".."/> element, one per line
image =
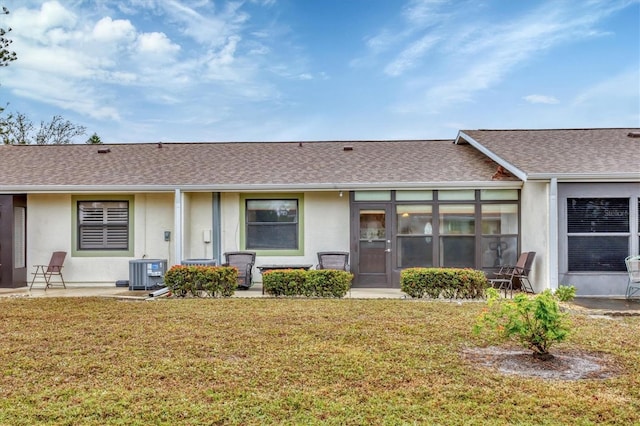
<point x="48" y="271"/>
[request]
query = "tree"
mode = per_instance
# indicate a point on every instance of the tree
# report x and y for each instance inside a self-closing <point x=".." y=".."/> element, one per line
<point x="94" y="139"/>
<point x="18" y="129"/>
<point x="6" y="56"/>
<point x="58" y="131"/>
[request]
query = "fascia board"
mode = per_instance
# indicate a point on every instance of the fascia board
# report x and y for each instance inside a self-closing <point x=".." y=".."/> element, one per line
<point x="520" y="174"/>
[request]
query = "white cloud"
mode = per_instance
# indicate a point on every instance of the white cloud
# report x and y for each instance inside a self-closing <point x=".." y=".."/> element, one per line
<point x="541" y="99"/>
<point x="155" y="44"/>
<point x="412" y="54"/>
<point x="480" y="55"/>
<point x="108" y="30"/>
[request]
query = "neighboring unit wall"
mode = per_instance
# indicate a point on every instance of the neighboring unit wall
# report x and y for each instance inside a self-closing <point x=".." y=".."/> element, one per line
<point x="598" y="283"/>
<point x="535" y="230"/>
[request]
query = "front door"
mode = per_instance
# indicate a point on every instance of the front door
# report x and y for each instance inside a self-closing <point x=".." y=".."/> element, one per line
<point x="371" y="245"/>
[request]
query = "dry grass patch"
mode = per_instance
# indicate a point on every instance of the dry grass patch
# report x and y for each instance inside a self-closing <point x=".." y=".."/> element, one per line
<point x="266" y="361"/>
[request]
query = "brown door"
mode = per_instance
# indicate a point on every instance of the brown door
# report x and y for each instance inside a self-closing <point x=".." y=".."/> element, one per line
<point x="371" y="245"/>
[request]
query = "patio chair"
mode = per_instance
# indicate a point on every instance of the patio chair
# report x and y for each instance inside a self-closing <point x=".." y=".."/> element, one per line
<point x="243" y="261"/>
<point x="333" y="260"/>
<point x="633" y="268"/>
<point x="48" y="271"/>
<point x="508" y="276"/>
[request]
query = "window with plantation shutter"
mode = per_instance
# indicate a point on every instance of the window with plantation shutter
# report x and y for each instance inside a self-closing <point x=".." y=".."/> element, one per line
<point x="103" y="225"/>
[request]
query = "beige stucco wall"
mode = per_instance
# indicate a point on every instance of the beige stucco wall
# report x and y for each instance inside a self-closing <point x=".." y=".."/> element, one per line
<point x="535" y="230"/>
<point x="49" y="228"/>
<point x="49" y="225"/>
<point x="326" y="227"/>
<point x="198" y="217"/>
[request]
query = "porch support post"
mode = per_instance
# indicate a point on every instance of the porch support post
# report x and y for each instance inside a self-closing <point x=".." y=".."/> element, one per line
<point x="553" y="235"/>
<point x="177" y="226"/>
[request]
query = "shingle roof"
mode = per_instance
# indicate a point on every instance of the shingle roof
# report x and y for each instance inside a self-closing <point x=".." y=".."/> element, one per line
<point x="243" y="165"/>
<point x="586" y="153"/>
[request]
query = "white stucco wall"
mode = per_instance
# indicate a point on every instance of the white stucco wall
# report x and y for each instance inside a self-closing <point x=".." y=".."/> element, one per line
<point x="535" y="230"/>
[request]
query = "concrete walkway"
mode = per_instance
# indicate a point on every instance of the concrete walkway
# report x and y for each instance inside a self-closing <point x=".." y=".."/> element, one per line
<point x="123" y="292"/>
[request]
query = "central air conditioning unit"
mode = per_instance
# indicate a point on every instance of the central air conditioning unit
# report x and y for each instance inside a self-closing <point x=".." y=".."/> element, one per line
<point x="145" y="274"/>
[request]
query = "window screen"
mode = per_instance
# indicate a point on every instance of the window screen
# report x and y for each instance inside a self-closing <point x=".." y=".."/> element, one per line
<point x="103" y="225"/>
<point x="598" y="215"/>
<point x="592" y="225"/>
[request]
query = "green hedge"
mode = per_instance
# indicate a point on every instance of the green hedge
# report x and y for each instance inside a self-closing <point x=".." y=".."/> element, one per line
<point x="214" y="281"/>
<point x="449" y="283"/>
<point x="313" y="283"/>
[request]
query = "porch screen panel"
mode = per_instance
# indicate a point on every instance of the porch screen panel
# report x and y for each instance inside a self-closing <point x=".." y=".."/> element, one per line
<point x="598" y="234"/>
<point x="457" y="235"/>
<point x="499" y="235"/>
<point x="103" y="225"/>
<point x="414" y="240"/>
<point x="272" y="224"/>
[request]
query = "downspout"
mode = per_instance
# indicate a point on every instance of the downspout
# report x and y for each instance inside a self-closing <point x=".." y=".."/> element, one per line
<point x="177" y="226"/>
<point x="216" y="238"/>
<point x="553" y="234"/>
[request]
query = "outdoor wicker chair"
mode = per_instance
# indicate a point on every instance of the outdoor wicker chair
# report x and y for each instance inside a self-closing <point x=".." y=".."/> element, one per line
<point x="243" y="261"/>
<point x="333" y="260"/>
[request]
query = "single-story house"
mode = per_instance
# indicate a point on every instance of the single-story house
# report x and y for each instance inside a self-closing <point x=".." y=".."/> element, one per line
<point x="572" y="196"/>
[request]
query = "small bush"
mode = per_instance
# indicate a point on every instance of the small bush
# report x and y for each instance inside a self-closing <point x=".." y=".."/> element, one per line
<point x="536" y="323"/>
<point x="215" y="281"/>
<point x="449" y="283"/>
<point x="565" y="293"/>
<point x="313" y="283"/>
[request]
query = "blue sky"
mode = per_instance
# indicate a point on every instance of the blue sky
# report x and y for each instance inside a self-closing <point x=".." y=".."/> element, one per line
<point x="288" y="70"/>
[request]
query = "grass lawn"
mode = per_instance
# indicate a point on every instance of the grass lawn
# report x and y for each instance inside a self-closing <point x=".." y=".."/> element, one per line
<point x="276" y="361"/>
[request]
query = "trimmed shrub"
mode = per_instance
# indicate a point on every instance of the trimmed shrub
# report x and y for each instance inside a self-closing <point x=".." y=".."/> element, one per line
<point x="214" y="281"/>
<point x="450" y="283"/>
<point x="284" y="282"/>
<point x="313" y="283"/>
<point x="327" y="283"/>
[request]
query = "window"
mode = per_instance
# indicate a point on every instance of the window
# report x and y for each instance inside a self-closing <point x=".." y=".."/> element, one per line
<point x="598" y="234"/>
<point x="415" y="230"/>
<point x="103" y="225"/>
<point x="272" y="224"/>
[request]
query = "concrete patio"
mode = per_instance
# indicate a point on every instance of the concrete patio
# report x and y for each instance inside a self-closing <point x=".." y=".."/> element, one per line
<point x="122" y="292"/>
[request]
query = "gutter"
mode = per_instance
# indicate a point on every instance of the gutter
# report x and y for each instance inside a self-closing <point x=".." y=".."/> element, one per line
<point x="477" y="145"/>
<point x="347" y="186"/>
<point x="587" y="177"/>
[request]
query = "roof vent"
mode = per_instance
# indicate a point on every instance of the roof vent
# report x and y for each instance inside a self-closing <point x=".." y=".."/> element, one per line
<point x="633" y="134"/>
<point x="104" y="151"/>
<point x="347" y="148"/>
